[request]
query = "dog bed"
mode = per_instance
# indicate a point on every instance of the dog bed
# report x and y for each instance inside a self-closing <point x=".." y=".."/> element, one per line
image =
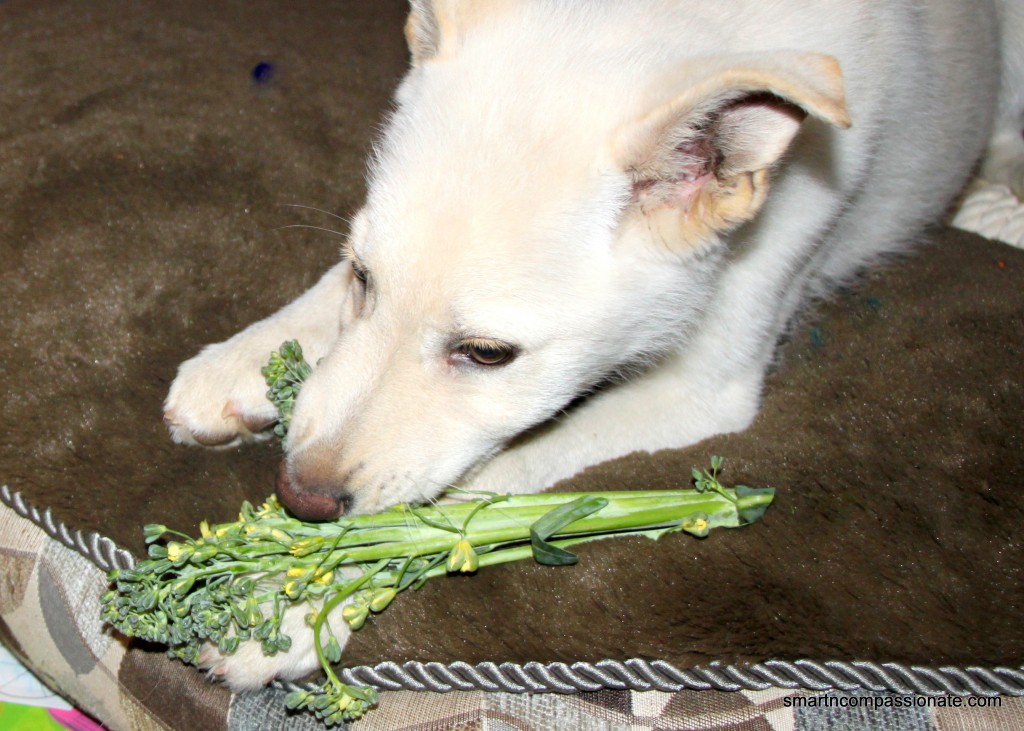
<point x="151" y="153"/>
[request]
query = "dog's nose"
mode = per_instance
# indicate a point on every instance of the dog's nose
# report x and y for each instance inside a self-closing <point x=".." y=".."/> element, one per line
<point x="307" y="503"/>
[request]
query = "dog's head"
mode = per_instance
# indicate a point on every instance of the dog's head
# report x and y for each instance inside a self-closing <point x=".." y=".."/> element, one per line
<point x="545" y="212"/>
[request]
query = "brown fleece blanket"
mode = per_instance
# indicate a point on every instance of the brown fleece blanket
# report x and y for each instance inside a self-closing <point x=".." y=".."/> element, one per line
<point x="147" y="154"/>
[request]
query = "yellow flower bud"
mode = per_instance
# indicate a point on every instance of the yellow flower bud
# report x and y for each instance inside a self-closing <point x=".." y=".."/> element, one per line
<point x="253" y="615"/>
<point x="463" y="558"/>
<point x="325" y="578"/>
<point x="306" y="546"/>
<point x="179" y="552"/>
<point x="355" y="615"/>
<point x="697" y="524"/>
<point x="272" y="505"/>
<point x="381" y="599"/>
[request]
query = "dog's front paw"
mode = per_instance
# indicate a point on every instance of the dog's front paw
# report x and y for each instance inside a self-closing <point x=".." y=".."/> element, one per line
<point x="992" y="211"/>
<point x="219" y="397"/>
<point x="1015" y="180"/>
<point x="249" y="667"/>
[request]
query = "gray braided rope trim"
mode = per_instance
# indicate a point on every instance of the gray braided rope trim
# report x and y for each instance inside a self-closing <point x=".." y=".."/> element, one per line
<point x="99" y="549"/>
<point x="635" y="674"/>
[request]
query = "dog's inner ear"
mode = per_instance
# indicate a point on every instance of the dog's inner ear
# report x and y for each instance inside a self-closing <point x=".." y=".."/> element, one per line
<point x="700" y="160"/>
<point x="421" y="31"/>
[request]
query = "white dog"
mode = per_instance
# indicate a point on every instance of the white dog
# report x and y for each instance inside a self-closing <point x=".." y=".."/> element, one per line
<point x="572" y="200"/>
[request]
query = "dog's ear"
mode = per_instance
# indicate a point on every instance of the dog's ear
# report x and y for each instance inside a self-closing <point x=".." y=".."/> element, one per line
<point x="700" y="158"/>
<point x="423" y="29"/>
<point x="434" y="26"/>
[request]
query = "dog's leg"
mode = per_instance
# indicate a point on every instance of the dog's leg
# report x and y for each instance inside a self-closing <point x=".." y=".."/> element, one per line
<point x="671" y="406"/>
<point x="219" y="397"/>
<point x="1004" y="161"/>
<point x="993" y="206"/>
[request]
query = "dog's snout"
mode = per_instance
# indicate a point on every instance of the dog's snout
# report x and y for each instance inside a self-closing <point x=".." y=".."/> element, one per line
<point x="309" y="502"/>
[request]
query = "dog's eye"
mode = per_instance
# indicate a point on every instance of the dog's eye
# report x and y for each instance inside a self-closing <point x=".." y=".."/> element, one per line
<point x="487" y="352"/>
<point x="359" y="271"/>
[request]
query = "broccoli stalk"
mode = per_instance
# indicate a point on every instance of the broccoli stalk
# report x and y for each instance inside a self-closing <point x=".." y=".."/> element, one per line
<point x="235" y="581"/>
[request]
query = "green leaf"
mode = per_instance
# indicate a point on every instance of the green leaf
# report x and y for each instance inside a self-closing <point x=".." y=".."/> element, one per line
<point x="555" y="520"/>
<point x="752" y="513"/>
<point x="364" y="693"/>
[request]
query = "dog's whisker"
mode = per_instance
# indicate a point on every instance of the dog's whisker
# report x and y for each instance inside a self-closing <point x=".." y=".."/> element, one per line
<point x="495" y="506"/>
<point x="343" y="219"/>
<point x="410" y="526"/>
<point x="510" y="516"/>
<point x="315" y="228"/>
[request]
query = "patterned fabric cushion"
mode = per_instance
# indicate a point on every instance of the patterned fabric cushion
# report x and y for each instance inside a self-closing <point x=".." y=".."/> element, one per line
<point x="49" y="615"/>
